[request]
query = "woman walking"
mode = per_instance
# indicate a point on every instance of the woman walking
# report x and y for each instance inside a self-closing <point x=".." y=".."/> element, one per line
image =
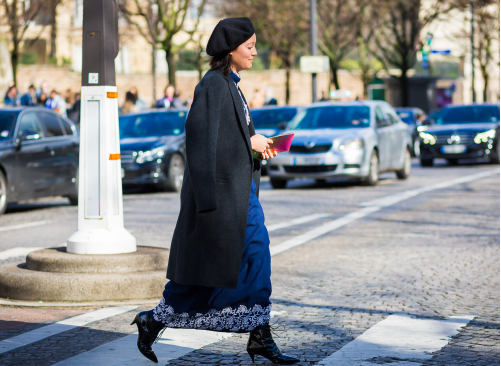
<point x="219" y="265"/>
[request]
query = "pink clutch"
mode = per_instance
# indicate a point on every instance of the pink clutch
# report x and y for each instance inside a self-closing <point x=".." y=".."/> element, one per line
<point x="281" y="143"/>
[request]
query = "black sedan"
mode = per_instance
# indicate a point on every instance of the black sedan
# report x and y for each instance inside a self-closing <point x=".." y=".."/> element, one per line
<point x="38" y="155"/>
<point x="462" y="132"/>
<point x="152" y="148"/>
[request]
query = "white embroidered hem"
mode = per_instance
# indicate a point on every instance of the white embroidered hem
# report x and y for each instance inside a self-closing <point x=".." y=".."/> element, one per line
<point x="241" y="319"/>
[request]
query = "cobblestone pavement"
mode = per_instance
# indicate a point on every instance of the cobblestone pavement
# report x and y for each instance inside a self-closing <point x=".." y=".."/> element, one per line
<point x="432" y="256"/>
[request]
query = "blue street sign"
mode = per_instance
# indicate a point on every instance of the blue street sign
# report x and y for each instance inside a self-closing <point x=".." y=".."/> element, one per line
<point x="441" y="52"/>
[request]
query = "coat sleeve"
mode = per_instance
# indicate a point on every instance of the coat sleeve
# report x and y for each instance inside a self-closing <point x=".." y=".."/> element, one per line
<point x="201" y="141"/>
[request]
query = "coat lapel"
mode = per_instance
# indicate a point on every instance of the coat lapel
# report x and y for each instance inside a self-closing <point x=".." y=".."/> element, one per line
<point x="240" y="112"/>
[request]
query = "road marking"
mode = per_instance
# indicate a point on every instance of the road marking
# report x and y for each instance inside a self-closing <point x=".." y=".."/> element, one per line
<point x="22" y="226"/>
<point x="370" y="207"/>
<point x="62" y="326"/>
<point x="21" y="251"/>
<point x="402" y="338"/>
<point x="297" y="221"/>
<point x="173" y="344"/>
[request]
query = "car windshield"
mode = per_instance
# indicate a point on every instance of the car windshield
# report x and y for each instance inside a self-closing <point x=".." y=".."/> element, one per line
<point x="152" y="124"/>
<point x="270" y="118"/>
<point x="332" y="117"/>
<point x="469" y="114"/>
<point x="7" y="124"/>
<point x="406" y="117"/>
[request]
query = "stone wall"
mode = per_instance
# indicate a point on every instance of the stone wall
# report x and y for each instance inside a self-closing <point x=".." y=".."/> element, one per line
<point x="62" y="78"/>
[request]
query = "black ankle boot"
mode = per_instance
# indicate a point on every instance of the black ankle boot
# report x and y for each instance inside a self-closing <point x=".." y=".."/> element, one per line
<point x="148" y="332"/>
<point x="261" y="343"/>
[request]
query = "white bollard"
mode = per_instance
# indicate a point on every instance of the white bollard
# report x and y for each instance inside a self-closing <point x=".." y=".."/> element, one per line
<point x="100" y="204"/>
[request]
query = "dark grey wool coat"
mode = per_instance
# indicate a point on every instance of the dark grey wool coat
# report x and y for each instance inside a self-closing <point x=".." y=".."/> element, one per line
<point x="209" y="237"/>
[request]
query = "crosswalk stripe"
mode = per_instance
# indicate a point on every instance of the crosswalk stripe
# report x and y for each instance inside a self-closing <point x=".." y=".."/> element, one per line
<point x="173" y="344"/>
<point x="22" y="226"/>
<point x="371" y="207"/>
<point x="61" y="326"/>
<point x="297" y="221"/>
<point x="398" y="337"/>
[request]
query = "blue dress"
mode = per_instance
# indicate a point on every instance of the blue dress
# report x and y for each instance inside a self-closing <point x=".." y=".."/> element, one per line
<point x="238" y="310"/>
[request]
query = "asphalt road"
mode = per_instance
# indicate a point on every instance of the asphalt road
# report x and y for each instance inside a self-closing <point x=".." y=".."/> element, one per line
<point x="353" y="266"/>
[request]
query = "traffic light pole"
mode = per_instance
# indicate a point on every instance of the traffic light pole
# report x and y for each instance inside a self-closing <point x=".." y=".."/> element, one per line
<point x="100" y="205"/>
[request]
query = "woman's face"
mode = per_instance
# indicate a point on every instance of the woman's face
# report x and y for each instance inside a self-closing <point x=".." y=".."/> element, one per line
<point x="242" y="57"/>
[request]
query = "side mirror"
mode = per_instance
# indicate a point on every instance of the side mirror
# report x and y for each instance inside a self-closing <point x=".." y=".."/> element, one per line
<point x="426" y="122"/>
<point x="17" y="144"/>
<point x="282" y="125"/>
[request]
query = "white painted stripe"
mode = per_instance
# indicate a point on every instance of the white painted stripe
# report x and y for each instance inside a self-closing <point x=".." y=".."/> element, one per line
<point x="22" y="226"/>
<point x="371" y="207"/>
<point x="297" y="221"/>
<point x="401" y="337"/>
<point x="21" y="251"/>
<point x="174" y="343"/>
<point x="62" y="326"/>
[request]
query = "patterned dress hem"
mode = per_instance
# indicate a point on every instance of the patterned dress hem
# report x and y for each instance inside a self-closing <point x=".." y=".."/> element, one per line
<point x="236" y="320"/>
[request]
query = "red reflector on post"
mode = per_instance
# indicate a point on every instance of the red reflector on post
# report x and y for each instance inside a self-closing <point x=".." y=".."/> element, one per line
<point x="114" y="156"/>
<point x="112" y="95"/>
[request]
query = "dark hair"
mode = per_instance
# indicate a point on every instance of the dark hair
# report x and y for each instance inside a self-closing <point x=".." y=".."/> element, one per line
<point x="129" y="96"/>
<point x="221" y="63"/>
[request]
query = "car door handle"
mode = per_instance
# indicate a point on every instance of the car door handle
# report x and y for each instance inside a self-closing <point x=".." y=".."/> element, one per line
<point x="49" y="149"/>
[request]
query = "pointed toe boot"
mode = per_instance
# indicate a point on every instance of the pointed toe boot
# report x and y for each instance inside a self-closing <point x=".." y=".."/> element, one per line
<point x="261" y="343"/>
<point x="148" y="332"/>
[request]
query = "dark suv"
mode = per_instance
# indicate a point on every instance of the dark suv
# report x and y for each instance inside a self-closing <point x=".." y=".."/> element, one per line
<point x="38" y="155"/>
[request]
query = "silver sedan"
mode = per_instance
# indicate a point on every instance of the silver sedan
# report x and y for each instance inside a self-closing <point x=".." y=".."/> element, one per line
<point x="352" y="139"/>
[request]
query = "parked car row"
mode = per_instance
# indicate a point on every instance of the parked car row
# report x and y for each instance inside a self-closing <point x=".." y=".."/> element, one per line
<point x="39" y="149"/>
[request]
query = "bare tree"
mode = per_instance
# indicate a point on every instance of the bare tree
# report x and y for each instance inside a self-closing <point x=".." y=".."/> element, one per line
<point x="281" y="24"/>
<point x="158" y="21"/>
<point x="338" y="23"/>
<point x="399" y="31"/>
<point x="19" y="15"/>
<point x="52" y="6"/>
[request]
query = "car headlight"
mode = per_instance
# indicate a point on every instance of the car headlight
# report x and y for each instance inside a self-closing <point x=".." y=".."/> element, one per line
<point x="484" y="136"/>
<point x="147" y="156"/>
<point x="351" y="144"/>
<point x="428" y="138"/>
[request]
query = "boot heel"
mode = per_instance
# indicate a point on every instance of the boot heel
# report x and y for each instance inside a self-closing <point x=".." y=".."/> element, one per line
<point x="135" y="321"/>
<point x="251" y="354"/>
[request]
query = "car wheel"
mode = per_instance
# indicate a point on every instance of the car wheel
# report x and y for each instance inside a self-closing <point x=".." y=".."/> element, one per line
<point x="495" y="158"/>
<point x="406" y="168"/>
<point x="3" y="193"/>
<point x="373" y="177"/>
<point x="175" y="174"/>
<point x="426" y="162"/>
<point x="278" y="183"/>
<point x="452" y="161"/>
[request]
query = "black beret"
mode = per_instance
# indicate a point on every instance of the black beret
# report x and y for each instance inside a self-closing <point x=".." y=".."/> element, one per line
<point x="228" y="35"/>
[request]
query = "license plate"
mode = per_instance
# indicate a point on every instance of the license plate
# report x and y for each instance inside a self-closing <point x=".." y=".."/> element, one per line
<point x="123" y="172"/>
<point x="307" y="161"/>
<point x="453" y="149"/>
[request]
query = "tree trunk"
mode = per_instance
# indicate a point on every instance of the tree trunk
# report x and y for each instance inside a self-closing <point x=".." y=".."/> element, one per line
<point x="485" y="76"/>
<point x="171" y="63"/>
<point x="53" y="31"/>
<point x="334" y="79"/>
<point x="14" y="59"/>
<point x="287" y="84"/>
<point x="404" y="89"/>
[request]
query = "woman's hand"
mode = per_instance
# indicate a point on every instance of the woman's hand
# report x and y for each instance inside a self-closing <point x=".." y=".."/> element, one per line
<point x="261" y="144"/>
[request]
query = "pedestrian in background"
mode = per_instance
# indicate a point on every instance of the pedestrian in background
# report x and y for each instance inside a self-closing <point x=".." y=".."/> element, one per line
<point x="74" y="111"/>
<point x="257" y="100"/>
<point x="176" y="101"/>
<point x="269" y="98"/>
<point x="129" y="104"/>
<point x="140" y="103"/>
<point x="11" y="99"/>
<point x="42" y="100"/>
<point x="166" y="101"/>
<point x="56" y="103"/>
<point x="44" y="88"/>
<point x="220" y="263"/>
<point x="30" y="98"/>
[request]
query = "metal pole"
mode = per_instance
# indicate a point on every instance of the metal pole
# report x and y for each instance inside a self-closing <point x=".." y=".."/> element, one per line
<point x="313" y="42"/>
<point x="154" y="73"/>
<point x="473" y="94"/>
